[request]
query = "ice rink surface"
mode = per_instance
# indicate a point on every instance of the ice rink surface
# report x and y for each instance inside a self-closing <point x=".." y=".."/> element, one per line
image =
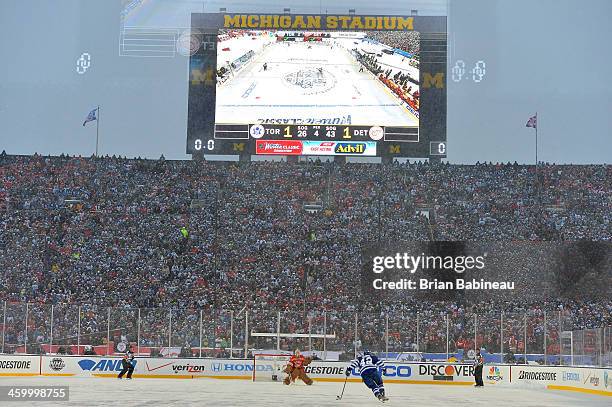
<point x="286" y="91"/>
<point x="215" y="392"/>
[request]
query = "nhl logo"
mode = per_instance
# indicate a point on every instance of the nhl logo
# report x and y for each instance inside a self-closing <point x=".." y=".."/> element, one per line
<point x="121" y="346"/>
<point x="57" y="364"/>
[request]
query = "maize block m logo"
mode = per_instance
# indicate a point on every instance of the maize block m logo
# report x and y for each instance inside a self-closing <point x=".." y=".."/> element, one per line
<point x="238" y="146"/>
<point x="394" y="149"/>
<point x="436" y="80"/>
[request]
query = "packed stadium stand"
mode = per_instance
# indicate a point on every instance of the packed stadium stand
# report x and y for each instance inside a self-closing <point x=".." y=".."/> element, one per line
<point x="269" y="237"/>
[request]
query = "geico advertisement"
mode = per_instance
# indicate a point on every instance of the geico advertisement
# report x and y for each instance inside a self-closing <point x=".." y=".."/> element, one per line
<point x="19" y="365"/>
<point x="338" y="370"/>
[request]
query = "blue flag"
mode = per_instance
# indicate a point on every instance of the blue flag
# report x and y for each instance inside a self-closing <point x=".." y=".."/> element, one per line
<point x="91" y="116"/>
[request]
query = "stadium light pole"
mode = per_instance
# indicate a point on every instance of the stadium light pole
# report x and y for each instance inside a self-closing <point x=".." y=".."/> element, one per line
<point x="560" y="342"/>
<point x="545" y="341"/>
<point x="25" y="337"/>
<point x="231" y="334"/>
<point x="169" y="329"/>
<point x="3" y="326"/>
<point x="525" y="339"/>
<point x="97" y="131"/>
<point x="324" y="334"/>
<point x="246" y="333"/>
<point x="501" y="337"/>
<point x="138" y="334"/>
<point x="475" y="332"/>
<point x="79" y="331"/>
<point x="51" y="332"/>
<point x="200" y="333"/>
<point x="417" y="331"/>
<point x="108" y="312"/>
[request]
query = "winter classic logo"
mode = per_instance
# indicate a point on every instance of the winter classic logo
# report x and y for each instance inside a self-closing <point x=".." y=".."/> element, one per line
<point x="57" y="364"/>
<point x="495" y="374"/>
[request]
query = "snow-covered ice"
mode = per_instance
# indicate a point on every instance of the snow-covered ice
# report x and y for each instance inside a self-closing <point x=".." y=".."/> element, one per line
<point x="214" y="392"/>
<point x="292" y="87"/>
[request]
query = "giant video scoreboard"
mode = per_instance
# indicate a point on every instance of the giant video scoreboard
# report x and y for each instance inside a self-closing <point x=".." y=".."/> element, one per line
<point x="379" y="98"/>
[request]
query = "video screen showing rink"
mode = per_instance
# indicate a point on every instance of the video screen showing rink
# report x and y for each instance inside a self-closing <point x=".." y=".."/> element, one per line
<point x="352" y="78"/>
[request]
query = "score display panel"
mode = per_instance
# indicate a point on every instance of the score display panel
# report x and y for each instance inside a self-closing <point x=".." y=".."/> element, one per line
<point x="317" y="85"/>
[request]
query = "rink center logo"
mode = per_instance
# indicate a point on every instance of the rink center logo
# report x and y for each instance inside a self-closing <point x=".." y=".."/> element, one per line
<point x="310" y="80"/>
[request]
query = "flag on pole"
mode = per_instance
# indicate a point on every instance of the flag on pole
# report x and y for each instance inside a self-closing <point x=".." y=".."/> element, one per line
<point x="91" y="116"/>
<point x="532" y="122"/>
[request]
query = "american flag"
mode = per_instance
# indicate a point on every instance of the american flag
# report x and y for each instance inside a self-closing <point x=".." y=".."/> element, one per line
<point x="532" y="122"/>
<point x="91" y="116"/>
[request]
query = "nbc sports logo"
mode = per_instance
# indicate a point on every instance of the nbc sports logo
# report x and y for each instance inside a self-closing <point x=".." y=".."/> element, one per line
<point x="494" y="374"/>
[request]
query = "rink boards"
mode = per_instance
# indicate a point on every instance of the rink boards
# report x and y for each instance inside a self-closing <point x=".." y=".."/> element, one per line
<point x="580" y="379"/>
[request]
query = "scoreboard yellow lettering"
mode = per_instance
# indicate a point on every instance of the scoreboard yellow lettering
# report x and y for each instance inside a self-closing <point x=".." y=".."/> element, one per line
<point x="344" y="21"/>
<point x="332" y="22"/>
<point x="370" y="23"/>
<point x="314" y="21"/>
<point x="231" y="21"/>
<point x="309" y="21"/>
<point x="285" y="22"/>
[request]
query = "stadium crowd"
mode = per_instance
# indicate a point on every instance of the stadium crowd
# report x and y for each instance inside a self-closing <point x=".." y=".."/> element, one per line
<point x="269" y="237"/>
<point x="406" y="41"/>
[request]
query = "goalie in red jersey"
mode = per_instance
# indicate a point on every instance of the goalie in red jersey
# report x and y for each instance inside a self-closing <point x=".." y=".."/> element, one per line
<point x="295" y="369"/>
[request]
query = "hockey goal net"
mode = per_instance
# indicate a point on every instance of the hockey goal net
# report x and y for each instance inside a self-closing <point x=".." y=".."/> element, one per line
<point x="268" y="367"/>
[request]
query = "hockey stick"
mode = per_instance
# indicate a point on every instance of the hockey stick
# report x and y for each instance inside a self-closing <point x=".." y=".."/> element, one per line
<point x="342" y="394"/>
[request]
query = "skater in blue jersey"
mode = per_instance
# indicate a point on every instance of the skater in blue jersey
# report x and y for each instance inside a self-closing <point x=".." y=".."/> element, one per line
<point x="368" y="365"/>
